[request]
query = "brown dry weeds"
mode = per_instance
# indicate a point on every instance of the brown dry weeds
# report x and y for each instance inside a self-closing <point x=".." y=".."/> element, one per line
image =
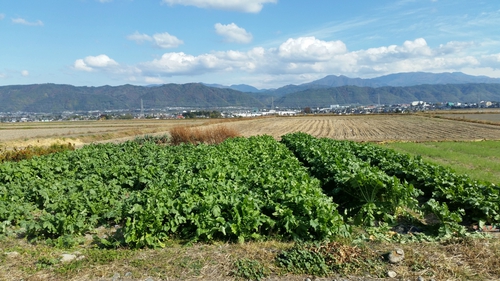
<point x="194" y="135"/>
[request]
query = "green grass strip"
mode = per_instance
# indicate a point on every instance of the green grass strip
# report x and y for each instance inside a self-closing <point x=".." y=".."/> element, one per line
<point x="480" y="160"/>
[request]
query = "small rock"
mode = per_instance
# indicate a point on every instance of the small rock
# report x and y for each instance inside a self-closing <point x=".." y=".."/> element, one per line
<point x="396" y="256"/>
<point x="12" y="254"/>
<point x="391" y="274"/>
<point x="307" y="279"/>
<point x="149" y="279"/>
<point x="116" y="277"/>
<point x="67" y="257"/>
<point x="399" y="229"/>
<point x="128" y="274"/>
<point x="420" y="278"/>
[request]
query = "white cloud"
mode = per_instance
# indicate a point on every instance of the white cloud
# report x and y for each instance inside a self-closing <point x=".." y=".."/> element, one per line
<point x="105" y="1"/>
<point x="310" y="49"/>
<point x="3" y="75"/>
<point x="247" y="6"/>
<point x="165" y="40"/>
<point x="2" y="16"/>
<point x="300" y="59"/>
<point x="181" y="63"/>
<point x="409" y="49"/>
<point x="81" y="65"/>
<point x="492" y="61"/>
<point x="310" y="56"/>
<point x="454" y="47"/>
<point x="92" y="63"/>
<point x="25" y="22"/>
<point x="25" y="73"/>
<point x="139" y="38"/>
<point x="154" y="80"/>
<point x="161" y="40"/>
<point x="233" y="33"/>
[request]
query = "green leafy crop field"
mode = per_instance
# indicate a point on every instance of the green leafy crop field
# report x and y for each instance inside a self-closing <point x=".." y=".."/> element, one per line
<point x="335" y="196"/>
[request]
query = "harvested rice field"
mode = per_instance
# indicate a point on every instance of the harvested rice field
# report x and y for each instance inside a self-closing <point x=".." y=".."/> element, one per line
<point x="371" y="128"/>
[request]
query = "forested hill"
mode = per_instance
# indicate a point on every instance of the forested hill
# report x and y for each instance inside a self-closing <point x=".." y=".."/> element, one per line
<point x="57" y="98"/>
<point x="348" y="95"/>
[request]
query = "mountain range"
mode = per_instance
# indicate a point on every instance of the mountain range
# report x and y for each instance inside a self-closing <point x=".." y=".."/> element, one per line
<point x="389" y="89"/>
<point x="395" y="80"/>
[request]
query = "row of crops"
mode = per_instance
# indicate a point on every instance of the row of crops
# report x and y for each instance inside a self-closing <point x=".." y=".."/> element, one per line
<point x="301" y="188"/>
<point x="373" y="184"/>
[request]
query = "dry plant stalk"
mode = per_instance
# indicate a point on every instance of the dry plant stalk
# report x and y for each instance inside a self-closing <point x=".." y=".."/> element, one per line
<point x="211" y="135"/>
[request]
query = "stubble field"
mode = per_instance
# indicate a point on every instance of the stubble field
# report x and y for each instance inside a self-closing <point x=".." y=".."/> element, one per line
<point x="370" y="128"/>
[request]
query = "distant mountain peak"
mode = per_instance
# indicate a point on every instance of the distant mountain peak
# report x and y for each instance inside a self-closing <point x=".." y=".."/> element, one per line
<point x="239" y="87"/>
<point x="404" y="79"/>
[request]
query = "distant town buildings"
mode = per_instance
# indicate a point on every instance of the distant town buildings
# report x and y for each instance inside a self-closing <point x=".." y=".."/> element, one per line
<point x="236" y="112"/>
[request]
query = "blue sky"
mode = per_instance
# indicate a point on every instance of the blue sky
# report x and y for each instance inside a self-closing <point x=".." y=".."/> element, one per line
<point x="263" y="43"/>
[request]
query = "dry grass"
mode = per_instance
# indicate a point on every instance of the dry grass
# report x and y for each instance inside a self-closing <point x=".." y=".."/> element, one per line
<point x="464" y="259"/>
<point x="195" y="135"/>
<point x="18" y="154"/>
<point x="461" y="259"/>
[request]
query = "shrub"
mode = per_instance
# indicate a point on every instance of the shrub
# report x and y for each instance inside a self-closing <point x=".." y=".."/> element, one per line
<point x="211" y="135"/>
<point x="18" y="154"/>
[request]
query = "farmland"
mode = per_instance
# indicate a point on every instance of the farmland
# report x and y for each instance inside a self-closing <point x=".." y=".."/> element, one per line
<point x="480" y="160"/>
<point x="263" y="192"/>
<point x="373" y="128"/>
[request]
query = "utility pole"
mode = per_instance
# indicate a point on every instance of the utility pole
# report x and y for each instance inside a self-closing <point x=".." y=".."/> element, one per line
<point x="142" y="109"/>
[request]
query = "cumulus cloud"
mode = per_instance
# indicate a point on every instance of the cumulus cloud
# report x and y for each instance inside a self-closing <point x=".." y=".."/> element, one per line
<point x="181" y="63"/>
<point x="139" y="38"/>
<point x="92" y="63"/>
<point x="454" y="46"/>
<point x="300" y="59"/>
<point x="309" y="56"/>
<point x="161" y="40"/>
<point x="25" y="73"/>
<point x="165" y="40"/>
<point x="247" y="6"/>
<point x="233" y="33"/>
<point x="492" y="61"/>
<point x="409" y="49"/>
<point x="310" y="49"/>
<point x="25" y="22"/>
